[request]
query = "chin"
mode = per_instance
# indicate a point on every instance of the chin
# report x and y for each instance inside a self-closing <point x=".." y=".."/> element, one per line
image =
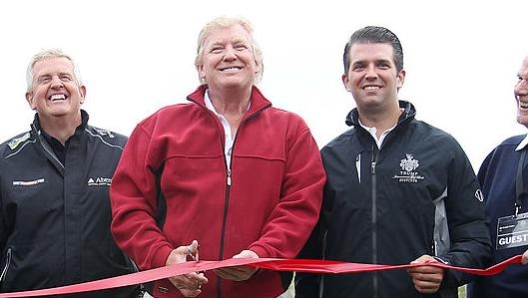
<point x="522" y="120"/>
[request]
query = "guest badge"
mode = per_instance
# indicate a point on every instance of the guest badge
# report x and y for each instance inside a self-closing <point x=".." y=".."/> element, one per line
<point x="512" y="231"/>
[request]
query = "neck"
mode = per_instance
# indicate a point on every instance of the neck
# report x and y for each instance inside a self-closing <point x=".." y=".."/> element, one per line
<point x="233" y="105"/>
<point x="61" y="128"/>
<point x="382" y="120"/>
<point x="230" y="103"/>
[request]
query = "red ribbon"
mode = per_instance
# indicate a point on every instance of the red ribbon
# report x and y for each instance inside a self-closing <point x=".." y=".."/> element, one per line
<point x="299" y="265"/>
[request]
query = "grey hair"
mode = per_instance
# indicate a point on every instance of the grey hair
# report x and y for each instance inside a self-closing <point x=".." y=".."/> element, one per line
<point x="226" y="22"/>
<point x="49" y="53"/>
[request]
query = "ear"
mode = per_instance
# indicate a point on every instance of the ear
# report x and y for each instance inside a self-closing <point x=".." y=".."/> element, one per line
<point x="400" y="79"/>
<point x="29" y="99"/>
<point x="345" y="80"/>
<point x="258" y="67"/>
<point x="200" y="69"/>
<point x="82" y="90"/>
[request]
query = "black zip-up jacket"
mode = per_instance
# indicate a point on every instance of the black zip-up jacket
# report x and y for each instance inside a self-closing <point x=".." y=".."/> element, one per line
<point x="54" y="217"/>
<point x="380" y="208"/>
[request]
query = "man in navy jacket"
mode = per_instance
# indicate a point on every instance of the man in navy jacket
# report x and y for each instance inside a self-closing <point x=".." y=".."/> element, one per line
<point x="503" y="176"/>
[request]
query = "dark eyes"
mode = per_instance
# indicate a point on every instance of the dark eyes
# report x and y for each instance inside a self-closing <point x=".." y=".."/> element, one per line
<point x="381" y="65"/>
<point x="384" y="66"/>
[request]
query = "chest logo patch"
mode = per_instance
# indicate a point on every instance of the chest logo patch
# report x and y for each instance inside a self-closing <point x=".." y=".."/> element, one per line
<point x="408" y="172"/>
<point x="99" y="181"/>
<point x="15" y="142"/>
<point x="28" y="182"/>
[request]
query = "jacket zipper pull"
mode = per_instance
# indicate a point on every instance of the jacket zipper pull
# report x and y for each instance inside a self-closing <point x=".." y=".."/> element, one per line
<point x="229" y="177"/>
<point x="374" y="159"/>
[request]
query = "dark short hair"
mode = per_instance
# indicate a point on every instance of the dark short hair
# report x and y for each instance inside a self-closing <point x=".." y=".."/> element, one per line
<point x="374" y="34"/>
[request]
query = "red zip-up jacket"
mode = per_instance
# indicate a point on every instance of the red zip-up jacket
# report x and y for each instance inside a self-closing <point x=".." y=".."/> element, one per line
<point x="172" y="185"/>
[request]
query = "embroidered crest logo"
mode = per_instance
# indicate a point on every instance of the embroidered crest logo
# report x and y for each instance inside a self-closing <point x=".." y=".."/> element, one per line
<point x="409" y="172"/>
<point x="409" y="164"/>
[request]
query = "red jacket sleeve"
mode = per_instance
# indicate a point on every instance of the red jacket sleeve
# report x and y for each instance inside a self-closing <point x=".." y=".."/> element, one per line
<point x="133" y="196"/>
<point x="293" y="219"/>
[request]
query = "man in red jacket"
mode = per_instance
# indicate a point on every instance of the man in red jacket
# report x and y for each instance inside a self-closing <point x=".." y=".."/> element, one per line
<point x="227" y="169"/>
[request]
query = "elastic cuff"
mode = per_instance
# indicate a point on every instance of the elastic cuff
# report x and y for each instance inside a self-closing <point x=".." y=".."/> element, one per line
<point x="441" y="260"/>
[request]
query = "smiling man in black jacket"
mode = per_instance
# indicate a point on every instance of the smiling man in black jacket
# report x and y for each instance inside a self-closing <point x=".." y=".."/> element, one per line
<point x="398" y="190"/>
<point x="54" y="189"/>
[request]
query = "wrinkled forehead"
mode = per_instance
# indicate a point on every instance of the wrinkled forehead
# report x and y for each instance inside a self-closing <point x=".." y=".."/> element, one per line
<point x="51" y="65"/>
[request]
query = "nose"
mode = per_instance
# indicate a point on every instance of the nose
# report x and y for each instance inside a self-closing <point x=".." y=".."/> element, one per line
<point x="56" y="82"/>
<point x="370" y="71"/>
<point x="230" y="54"/>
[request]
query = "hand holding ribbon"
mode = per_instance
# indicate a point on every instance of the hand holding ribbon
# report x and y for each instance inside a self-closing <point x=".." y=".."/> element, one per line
<point x="190" y="283"/>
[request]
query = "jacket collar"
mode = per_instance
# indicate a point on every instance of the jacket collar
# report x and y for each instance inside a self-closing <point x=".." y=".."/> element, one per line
<point x="522" y="144"/>
<point x="84" y="118"/>
<point x="409" y="111"/>
<point x="258" y="101"/>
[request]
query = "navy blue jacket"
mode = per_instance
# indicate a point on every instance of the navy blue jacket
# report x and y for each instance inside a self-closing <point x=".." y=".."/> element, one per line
<point x="379" y="207"/>
<point x="497" y="176"/>
<point x="54" y="217"/>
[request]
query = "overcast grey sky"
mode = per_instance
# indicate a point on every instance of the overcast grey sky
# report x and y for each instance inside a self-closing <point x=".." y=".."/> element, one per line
<point x="137" y="56"/>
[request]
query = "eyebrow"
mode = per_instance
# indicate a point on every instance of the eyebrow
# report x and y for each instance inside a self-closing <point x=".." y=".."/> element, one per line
<point x="239" y="40"/>
<point x="235" y="40"/>
<point x="62" y="73"/>
<point x="375" y="61"/>
<point x="49" y="75"/>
